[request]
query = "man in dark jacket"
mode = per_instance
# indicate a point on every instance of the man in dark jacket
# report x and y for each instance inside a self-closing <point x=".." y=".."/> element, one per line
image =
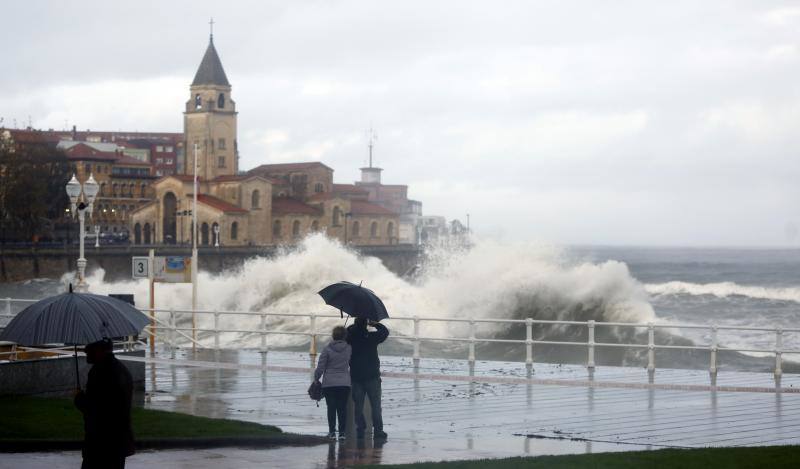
<point x="365" y="373"/>
<point x="106" y="408"/>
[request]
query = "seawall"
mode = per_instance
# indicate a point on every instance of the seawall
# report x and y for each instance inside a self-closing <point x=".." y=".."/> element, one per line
<point x="18" y="264"/>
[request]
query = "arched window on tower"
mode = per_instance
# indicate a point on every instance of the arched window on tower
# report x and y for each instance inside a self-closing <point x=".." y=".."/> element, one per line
<point x="373" y="229"/>
<point x="221" y="101"/>
<point x="198" y="101"/>
<point x="255" y="199"/>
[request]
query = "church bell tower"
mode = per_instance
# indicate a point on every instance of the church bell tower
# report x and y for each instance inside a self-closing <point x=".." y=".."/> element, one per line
<point x="209" y="120"/>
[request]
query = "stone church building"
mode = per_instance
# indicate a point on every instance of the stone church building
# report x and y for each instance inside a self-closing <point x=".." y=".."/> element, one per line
<point x="271" y="204"/>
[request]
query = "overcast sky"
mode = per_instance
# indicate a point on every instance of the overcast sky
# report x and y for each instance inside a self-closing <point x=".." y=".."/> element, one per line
<point x="591" y="122"/>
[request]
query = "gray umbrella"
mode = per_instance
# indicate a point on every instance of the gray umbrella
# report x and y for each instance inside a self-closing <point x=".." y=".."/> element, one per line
<point x="74" y="319"/>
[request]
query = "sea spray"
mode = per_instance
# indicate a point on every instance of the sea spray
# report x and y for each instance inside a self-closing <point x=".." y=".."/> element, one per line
<point x="489" y="280"/>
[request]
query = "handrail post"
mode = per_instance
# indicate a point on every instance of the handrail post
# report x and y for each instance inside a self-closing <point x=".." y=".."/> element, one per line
<point x="8" y="306"/>
<point x="312" y="348"/>
<point x="263" y="333"/>
<point x="471" y="357"/>
<point x="216" y="330"/>
<point x="714" y="347"/>
<point x="590" y="360"/>
<point x="529" y="344"/>
<point x="172" y="329"/>
<point x="778" y="352"/>
<point x="651" y="348"/>
<point x="416" y="340"/>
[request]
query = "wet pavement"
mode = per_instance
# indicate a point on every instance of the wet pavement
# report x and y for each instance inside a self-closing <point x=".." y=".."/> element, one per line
<point x="443" y="410"/>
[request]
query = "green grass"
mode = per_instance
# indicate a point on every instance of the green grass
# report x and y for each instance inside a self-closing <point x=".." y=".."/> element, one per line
<point x="772" y="457"/>
<point x="32" y="418"/>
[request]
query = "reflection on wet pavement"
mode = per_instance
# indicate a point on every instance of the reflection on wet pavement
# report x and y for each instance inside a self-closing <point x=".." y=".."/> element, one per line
<point x="451" y="411"/>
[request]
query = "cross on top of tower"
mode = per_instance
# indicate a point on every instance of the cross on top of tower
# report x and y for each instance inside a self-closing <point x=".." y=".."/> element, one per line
<point x="211" y="29"/>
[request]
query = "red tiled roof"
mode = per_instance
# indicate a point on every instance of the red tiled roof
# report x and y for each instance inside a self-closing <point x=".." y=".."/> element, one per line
<point x="283" y="205"/>
<point x="348" y="189"/>
<point x="32" y="136"/>
<point x="288" y="166"/>
<point x="130" y="161"/>
<point x="219" y="204"/>
<point x="83" y="152"/>
<point x="365" y="208"/>
<point x="243" y="177"/>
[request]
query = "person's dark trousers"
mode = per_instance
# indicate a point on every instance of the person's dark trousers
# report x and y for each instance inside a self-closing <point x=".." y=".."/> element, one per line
<point x="336" y="400"/>
<point x="371" y="388"/>
<point x="103" y="462"/>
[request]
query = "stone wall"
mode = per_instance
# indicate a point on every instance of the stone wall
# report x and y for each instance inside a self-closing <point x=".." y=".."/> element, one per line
<point x="28" y="263"/>
<point x="56" y="376"/>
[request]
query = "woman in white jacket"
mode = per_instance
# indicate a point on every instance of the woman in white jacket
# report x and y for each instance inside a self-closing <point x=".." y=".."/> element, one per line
<point x="334" y="368"/>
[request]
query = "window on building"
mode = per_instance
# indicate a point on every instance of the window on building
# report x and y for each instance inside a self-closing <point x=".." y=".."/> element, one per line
<point x="159" y="160"/>
<point x="144" y="190"/>
<point x="169" y="160"/>
<point x="337" y="213"/>
<point x="255" y="199"/>
<point x="276" y="229"/>
<point x="296" y="229"/>
<point x="160" y="148"/>
<point x="198" y="101"/>
<point x="234" y="230"/>
<point x="114" y="189"/>
<point x="102" y="189"/>
<point x="88" y="168"/>
<point x="221" y="101"/>
<point x="318" y="187"/>
<point x="169" y="149"/>
<point x="221" y="143"/>
<point x="390" y="230"/>
<point x="373" y="229"/>
<point x="356" y="229"/>
<point x="159" y="172"/>
<point x="221" y="162"/>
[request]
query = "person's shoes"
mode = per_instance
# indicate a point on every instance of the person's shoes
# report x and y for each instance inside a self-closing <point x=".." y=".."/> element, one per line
<point x="381" y="435"/>
<point x="332" y="435"/>
<point x="341" y="436"/>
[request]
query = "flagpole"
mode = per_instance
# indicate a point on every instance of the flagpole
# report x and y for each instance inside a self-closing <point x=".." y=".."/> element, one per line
<point x="195" y="265"/>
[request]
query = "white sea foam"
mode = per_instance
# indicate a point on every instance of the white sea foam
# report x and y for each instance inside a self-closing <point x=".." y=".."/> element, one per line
<point x="490" y="280"/>
<point x="724" y="290"/>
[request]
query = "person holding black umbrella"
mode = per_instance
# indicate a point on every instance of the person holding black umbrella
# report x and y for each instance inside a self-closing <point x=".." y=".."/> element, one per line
<point x="106" y="407"/>
<point x="365" y="372"/>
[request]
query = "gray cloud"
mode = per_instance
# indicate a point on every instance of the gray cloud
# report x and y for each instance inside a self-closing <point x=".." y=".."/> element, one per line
<point x="626" y="122"/>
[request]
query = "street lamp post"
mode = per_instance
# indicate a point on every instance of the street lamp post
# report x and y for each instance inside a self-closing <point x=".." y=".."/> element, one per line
<point x="89" y="190"/>
<point x="96" y="236"/>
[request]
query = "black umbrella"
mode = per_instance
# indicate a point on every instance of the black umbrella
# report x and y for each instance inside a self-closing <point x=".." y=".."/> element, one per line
<point x="73" y="319"/>
<point x="355" y="300"/>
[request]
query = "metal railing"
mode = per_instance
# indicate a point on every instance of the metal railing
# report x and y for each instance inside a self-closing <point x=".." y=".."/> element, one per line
<point x="167" y="329"/>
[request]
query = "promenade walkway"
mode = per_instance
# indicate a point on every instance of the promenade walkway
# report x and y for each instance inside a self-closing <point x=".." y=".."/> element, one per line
<point x="447" y="414"/>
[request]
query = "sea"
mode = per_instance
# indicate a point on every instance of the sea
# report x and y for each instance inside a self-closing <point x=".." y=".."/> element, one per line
<point x="672" y="286"/>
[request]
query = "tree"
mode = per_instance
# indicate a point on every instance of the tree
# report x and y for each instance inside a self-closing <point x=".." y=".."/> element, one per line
<point x="33" y="174"/>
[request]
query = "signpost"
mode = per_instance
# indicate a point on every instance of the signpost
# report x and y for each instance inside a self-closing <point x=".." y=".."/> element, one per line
<point x="167" y="269"/>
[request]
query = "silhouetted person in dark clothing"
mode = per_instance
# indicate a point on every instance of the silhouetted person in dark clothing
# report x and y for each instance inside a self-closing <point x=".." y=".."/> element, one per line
<point x="106" y="408"/>
<point x="365" y="373"/>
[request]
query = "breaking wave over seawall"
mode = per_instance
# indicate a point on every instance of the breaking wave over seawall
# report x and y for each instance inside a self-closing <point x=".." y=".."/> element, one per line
<point x="489" y="280"/>
<point x="724" y="290"/>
